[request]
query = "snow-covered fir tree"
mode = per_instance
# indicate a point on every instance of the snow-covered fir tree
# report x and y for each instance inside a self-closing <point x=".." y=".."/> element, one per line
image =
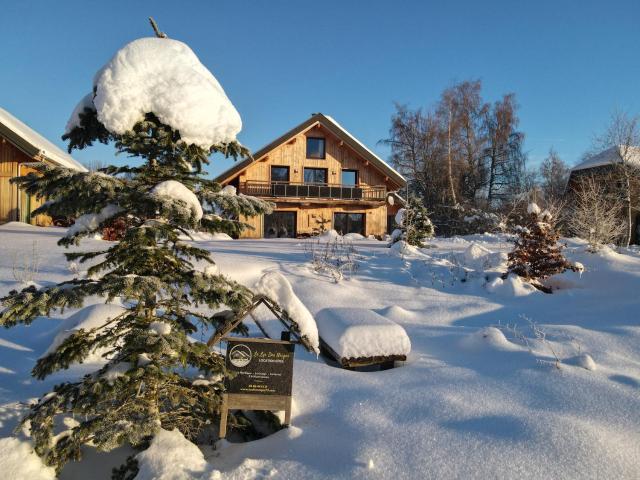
<point x="537" y="254"/>
<point x="414" y="225"/>
<point x="155" y="101"/>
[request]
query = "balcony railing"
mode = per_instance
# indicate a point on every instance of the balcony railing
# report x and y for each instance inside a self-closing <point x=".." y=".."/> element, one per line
<point x="261" y="188"/>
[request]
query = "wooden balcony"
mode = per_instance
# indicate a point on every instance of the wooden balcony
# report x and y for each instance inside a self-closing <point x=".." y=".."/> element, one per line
<point x="259" y="188"/>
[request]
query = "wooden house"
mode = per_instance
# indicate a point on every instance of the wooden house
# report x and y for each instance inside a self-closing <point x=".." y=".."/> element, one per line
<point x="318" y="173"/>
<point x="20" y="148"/>
<point x="604" y="167"/>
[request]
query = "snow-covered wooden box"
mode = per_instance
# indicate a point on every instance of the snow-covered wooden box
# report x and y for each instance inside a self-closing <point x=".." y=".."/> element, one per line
<point x="357" y="337"/>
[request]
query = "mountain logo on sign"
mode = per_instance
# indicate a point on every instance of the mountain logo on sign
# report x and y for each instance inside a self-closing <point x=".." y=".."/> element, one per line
<point x="240" y="356"/>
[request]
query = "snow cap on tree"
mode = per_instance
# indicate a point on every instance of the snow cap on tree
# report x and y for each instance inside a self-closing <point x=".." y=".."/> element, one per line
<point x="165" y="77"/>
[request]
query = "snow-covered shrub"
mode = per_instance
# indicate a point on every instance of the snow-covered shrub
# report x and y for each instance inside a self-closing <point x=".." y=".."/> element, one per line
<point x="332" y="256"/>
<point x="25" y="264"/>
<point x="414" y="224"/>
<point x="537" y="253"/>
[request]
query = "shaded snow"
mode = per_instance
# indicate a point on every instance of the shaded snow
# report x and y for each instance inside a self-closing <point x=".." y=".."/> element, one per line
<point x="472" y="401"/>
<point x="93" y="316"/>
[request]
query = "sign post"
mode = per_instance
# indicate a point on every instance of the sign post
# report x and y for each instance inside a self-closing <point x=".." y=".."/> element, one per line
<point x="259" y="376"/>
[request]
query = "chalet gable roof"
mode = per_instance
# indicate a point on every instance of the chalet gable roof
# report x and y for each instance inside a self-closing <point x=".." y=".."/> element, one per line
<point x="332" y="126"/>
<point x="33" y="144"/>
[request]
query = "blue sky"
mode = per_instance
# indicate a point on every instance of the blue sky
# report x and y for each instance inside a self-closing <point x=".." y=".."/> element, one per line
<point x="570" y="63"/>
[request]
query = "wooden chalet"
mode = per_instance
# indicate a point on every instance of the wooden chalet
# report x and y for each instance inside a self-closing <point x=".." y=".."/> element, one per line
<point x="318" y="173"/>
<point x="20" y="148"/>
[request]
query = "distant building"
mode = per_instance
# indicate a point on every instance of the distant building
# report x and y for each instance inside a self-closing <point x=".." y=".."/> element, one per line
<point x="605" y="166"/>
<point x="20" y="148"/>
<point x="318" y="172"/>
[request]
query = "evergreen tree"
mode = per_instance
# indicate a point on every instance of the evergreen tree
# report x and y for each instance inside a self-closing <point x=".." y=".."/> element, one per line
<point x="537" y="253"/>
<point x="147" y="382"/>
<point x="414" y="223"/>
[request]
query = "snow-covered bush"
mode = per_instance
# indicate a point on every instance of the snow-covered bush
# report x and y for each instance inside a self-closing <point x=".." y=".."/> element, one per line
<point x="537" y="253"/>
<point x="414" y="224"/>
<point x="332" y="256"/>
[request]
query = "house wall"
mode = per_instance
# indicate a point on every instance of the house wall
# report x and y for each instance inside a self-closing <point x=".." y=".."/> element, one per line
<point x="15" y="205"/>
<point x="293" y="155"/>
<point x="375" y="218"/>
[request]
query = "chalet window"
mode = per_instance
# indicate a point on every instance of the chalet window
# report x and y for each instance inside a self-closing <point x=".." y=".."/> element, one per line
<point x="279" y="174"/>
<point x="315" y="147"/>
<point x="315" y="175"/>
<point x="345" y="223"/>
<point x="350" y="177"/>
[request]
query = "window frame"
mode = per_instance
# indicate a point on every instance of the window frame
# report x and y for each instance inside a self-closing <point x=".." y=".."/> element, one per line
<point x="288" y="180"/>
<point x="357" y="179"/>
<point x="324" y="148"/>
<point x="326" y="175"/>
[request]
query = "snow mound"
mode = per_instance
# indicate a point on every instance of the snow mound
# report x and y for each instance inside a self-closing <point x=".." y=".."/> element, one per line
<point x="399" y="218"/>
<point x="479" y="258"/>
<point x="91" y="221"/>
<point x="165" y="77"/>
<point x="512" y="286"/>
<point x="488" y="337"/>
<point x="397" y="313"/>
<point x="93" y="316"/>
<point x="19" y="462"/>
<point x="359" y="332"/>
<point x="171" y="457"/>
<point x="583" y="360"/>
<point x="276" y="287"/>
<point x="533" y="209"/>
<point x="353" y="236"/>
<point x="404" y="249"/>
<point x="329" y="235"/>
<point x="176" y="190"/>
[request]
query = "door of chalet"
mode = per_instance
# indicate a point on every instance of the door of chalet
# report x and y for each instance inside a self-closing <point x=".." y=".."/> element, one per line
<point x="345" y="223"/>
<point x="280" y="225"/>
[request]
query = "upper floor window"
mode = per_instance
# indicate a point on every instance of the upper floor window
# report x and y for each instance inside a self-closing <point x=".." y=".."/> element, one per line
<point x="315" y="147"/>
<point x="315" y="175"/>
<point x="350" y="177"/>
<point x="279" y="174"/>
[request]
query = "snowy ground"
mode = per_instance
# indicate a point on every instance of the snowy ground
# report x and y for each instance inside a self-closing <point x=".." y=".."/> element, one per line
<point x="471" y="401"/>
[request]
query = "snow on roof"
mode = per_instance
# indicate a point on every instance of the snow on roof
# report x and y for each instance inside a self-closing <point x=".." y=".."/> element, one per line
<point x="610" y="156"/>
<point x="331" y="119"/>
<point x="44" y="147"/>
<point x="165" y="77"/>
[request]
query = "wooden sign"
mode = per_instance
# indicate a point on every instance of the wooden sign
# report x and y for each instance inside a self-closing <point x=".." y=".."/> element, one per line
<point x="259" y="376"/>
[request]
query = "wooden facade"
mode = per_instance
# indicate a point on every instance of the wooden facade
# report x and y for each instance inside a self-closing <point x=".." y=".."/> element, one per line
<point x="307" y="202"/>
<point x="15" y="205"/>
<point x="20" y="148"/>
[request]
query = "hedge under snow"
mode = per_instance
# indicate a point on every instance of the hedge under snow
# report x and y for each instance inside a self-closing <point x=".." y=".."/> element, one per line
<point x="165" y="77"/>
